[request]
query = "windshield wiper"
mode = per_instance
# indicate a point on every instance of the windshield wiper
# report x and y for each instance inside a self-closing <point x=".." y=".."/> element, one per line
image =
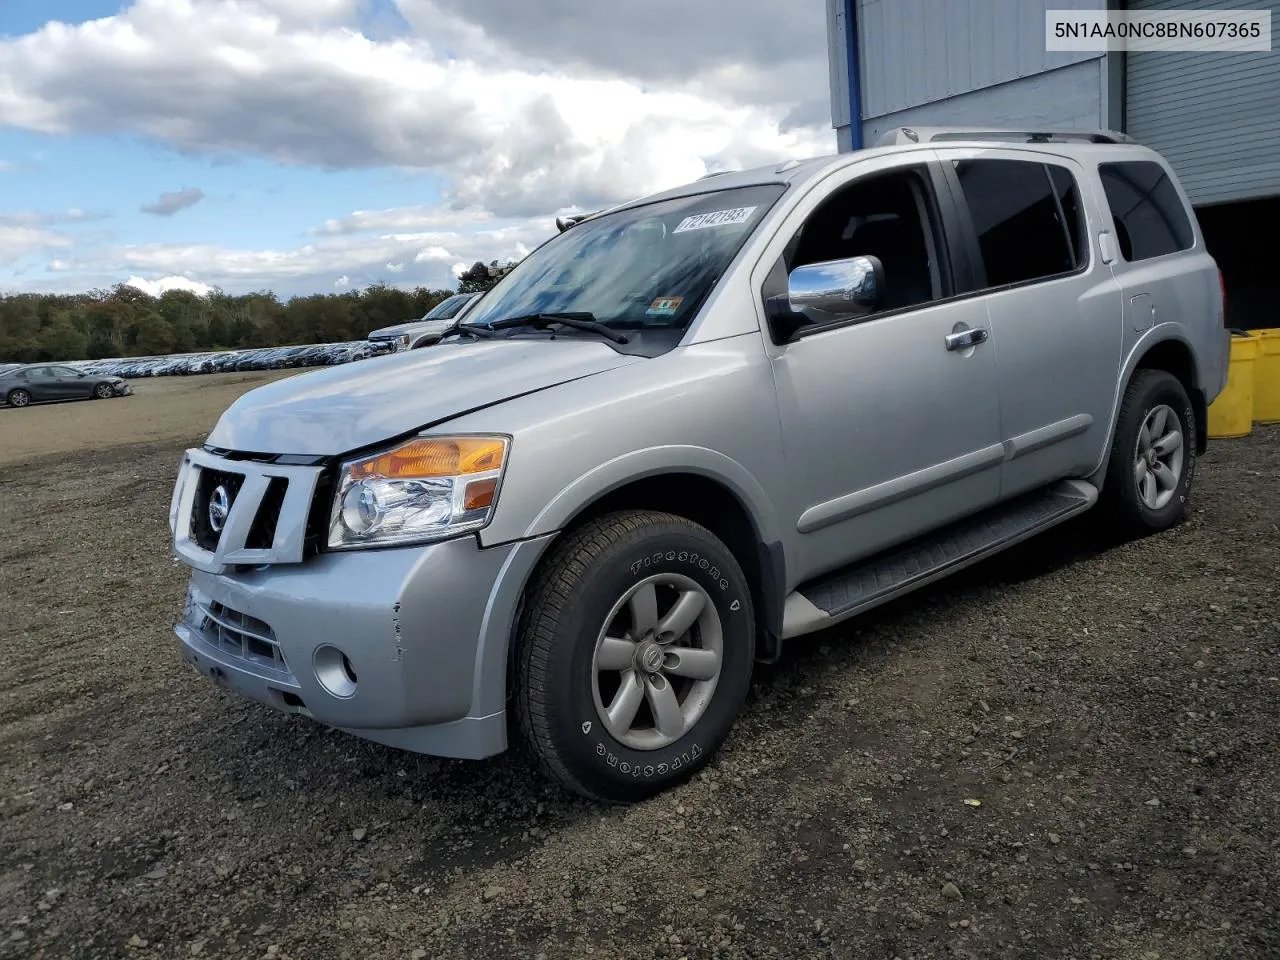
<point x="578" y="321"/>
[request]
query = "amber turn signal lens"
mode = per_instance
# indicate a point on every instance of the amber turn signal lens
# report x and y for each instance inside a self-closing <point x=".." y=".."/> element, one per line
<point x="479" y="494"/>
<point x="426" y="457"/>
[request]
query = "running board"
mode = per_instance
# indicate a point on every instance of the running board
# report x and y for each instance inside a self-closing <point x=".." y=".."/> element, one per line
<point x="836" y="596"/>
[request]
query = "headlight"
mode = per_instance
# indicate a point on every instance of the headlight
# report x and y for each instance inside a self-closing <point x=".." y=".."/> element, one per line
<point x="430" y="488"/>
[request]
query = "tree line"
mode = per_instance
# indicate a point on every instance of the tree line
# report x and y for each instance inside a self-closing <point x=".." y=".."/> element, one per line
<point x="127" y="322"/>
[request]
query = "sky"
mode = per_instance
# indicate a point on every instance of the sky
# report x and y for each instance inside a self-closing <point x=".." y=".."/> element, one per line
<point x="311" y="146"/>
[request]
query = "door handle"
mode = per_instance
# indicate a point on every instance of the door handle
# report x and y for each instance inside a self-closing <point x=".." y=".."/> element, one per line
<point x="964" y="339"/>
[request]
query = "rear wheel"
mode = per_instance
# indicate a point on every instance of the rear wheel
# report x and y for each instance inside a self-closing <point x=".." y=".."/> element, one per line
<point x="635" y="655"/>
<point x="19" y="398"/>
<point x="1153" y="455"/>
<point x="103" y="391"/>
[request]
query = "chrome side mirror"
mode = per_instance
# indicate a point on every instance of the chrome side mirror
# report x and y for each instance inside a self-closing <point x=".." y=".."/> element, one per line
<point x="842" y="288"/>
<point x="827" y="291"/>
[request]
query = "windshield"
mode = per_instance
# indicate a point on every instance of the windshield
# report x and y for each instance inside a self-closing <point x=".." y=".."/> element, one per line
<point x="449" y="307"/>
<point x="649" y="266"/>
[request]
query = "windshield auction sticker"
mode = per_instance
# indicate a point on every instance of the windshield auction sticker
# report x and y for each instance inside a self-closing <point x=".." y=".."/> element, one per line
<point x="664" y="307"/>
<point x="716" y="218"/>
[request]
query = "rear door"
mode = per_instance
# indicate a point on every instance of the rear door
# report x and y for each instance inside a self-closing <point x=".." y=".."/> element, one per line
<point x="1055" y="308"/>
<point x="42" y="384"/>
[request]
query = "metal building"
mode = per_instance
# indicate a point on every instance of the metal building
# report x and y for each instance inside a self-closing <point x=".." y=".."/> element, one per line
<point x="1214" y="116"/>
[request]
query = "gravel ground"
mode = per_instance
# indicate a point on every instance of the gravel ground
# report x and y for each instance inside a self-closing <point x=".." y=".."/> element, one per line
<point x="162" y="408"/>
<point x="1070" y="751"/>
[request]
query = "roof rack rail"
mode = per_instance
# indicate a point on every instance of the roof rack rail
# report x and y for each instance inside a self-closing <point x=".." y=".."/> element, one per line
<point x="903" y="135"/>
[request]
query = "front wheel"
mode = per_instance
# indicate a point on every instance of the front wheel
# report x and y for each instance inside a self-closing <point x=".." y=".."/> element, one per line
<point x="635" y="655"/>
<point x="103" y="391"/>
<point x="1153" y="455"/>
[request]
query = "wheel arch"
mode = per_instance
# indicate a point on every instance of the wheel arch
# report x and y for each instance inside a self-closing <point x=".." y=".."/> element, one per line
<point x="709" y="500"/>
<point x="1166" y="350"/>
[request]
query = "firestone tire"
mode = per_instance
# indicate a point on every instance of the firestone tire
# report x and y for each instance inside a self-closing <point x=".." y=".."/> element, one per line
<point x="1150" y="472"/>
<point x="589" y="622"/>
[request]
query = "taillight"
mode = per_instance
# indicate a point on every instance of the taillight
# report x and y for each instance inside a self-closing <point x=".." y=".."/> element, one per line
<point x="1222" y="289"/>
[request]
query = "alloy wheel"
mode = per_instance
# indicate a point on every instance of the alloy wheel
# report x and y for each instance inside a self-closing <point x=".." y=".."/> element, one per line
<point x="1159" y="456"/>
<point x="657" y="661"/>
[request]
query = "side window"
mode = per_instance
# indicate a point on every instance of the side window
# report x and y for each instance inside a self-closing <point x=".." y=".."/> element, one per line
<point x="1027" y="217"/>
<point x="1148" y="214"/>
<point x="885" y="216"/>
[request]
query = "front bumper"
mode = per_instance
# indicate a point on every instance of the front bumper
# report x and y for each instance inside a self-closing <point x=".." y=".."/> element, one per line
<point x="425" y="632"/>
<point x="122" y="389"/>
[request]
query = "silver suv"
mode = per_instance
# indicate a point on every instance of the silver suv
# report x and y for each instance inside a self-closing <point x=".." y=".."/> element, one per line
<point x="695" y="425"/>
<point x="427" y="330"/>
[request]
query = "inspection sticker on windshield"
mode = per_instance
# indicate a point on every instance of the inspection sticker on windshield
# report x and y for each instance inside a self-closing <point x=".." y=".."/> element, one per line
<point x="664" y="307"/>
<point x="716" y="218"/>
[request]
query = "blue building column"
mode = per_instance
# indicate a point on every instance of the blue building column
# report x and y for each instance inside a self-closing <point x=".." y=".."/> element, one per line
<point x="855" y="74"/>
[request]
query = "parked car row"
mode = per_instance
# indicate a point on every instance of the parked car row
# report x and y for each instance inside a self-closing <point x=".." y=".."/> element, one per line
<point x="266" y="358"/>
<point x="21" y="384"/>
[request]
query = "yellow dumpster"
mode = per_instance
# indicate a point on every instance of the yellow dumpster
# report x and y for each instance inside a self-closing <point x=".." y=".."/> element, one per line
<point x="1266" y="377"/>
<point x="1231" y="415"/>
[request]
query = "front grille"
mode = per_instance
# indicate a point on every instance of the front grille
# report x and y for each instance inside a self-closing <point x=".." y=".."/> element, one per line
<point x="238" y="634"/>
<point x="263" y="532"/>
<point x="317" y="532"/>
<point x="277" y="518"/>
<point x="202" y="531"/>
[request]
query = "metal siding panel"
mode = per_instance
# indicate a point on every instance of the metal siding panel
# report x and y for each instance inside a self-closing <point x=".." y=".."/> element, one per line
<point x="936" y="52"/>
<point x="960" y="67"/>
<point x="1214" y="116"/>
<point x="916" y="52"/>
<point x="871" y="55"/>
<point x="838" y="63"/>
<point x="1068" y="97"/>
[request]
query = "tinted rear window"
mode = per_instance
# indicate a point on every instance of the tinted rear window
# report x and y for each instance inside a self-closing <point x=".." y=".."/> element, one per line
<point x="1150" y="220"/>
<point x="1026" y="216"/>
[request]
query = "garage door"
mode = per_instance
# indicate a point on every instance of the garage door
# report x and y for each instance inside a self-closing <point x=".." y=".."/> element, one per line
<point x="1214" y="116"/>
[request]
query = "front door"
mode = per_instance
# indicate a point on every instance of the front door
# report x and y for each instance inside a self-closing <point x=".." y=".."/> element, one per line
<point x="891" y="425"/>
<point x="68" y="383"/>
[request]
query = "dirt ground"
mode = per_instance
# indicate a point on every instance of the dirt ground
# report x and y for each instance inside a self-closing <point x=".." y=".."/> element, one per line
<point x="1071" y="751"/>
<point x="162" y="408"/>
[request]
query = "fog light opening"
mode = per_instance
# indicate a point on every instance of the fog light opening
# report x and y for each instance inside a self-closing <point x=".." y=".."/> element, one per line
<point x="334" y="672"/>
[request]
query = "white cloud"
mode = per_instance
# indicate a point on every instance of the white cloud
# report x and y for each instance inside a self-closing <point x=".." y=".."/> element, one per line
<point x="42" y="218"/>
<point x="342" y="281"/>
<point x="422" y="258"/>
<point x="311" y="11"/>
<point x="515" y="137"/>
<point x="18" y="241"/>
<point x="749" y="51"/>
<point x="163" y="285"/>
<point x="521" y="111"/>
<point x="400" y="219"/>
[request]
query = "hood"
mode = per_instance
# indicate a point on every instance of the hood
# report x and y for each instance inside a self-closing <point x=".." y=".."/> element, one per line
<point x="342" y="408"/>
<point x="411" y="326"/>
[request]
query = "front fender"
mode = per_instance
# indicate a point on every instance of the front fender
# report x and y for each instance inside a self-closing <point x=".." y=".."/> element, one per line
<point x="655" y="461"/>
